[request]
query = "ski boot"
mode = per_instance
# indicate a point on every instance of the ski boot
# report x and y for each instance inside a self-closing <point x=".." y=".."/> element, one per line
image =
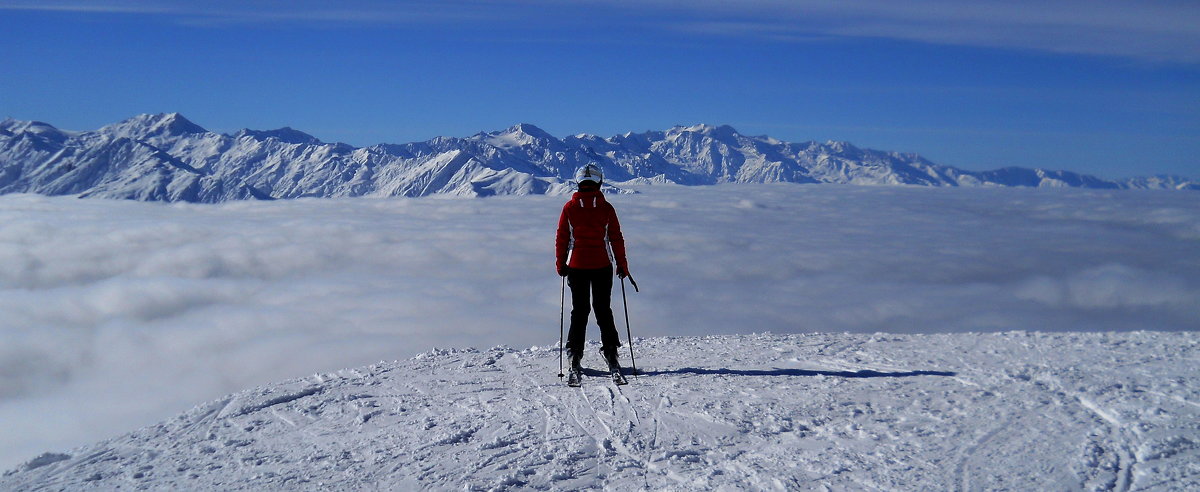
<point x="575" y="372"/>
<point x="614" y="368"/>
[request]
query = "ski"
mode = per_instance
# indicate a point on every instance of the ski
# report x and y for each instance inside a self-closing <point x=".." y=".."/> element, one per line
<point x="575" y="378"/>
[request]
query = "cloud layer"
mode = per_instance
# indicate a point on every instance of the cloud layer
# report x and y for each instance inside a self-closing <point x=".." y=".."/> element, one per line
<point x="117" y="314"/>
<point x="1159" y="30"/>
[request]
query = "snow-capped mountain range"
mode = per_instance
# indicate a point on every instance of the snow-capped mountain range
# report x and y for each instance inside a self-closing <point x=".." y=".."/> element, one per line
<point x="165" y="157"/>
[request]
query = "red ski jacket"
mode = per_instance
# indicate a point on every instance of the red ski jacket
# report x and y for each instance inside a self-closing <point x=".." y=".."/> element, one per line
<point x="587" y="226"/>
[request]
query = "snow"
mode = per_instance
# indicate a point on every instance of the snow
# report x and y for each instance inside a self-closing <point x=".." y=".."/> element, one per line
<point x="118" y="315"/>
<point x="1015" y="410"/>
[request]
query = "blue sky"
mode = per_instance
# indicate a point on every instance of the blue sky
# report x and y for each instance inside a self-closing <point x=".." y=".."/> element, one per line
<point x="1103" y="87"/>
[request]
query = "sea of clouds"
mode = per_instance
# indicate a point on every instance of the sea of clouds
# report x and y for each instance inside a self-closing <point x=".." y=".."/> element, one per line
<point x="114" y="315"/>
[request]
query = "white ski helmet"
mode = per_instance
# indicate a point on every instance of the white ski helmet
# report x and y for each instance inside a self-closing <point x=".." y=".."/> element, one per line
<point x="590" y="172"/>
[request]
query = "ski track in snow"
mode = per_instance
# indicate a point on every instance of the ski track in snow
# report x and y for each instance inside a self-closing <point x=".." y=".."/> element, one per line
<point x="1015" y="410"/>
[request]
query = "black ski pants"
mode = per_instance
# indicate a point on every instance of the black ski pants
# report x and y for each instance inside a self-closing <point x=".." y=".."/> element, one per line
<point x="594" y="285"/>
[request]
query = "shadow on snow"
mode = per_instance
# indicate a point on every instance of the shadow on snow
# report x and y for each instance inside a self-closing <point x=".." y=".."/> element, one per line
<point x="795" y="372"/>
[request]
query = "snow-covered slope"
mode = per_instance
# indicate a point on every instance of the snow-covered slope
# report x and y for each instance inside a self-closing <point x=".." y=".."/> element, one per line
<point x="1015" y="411"/>
<point x="165" y="157"/>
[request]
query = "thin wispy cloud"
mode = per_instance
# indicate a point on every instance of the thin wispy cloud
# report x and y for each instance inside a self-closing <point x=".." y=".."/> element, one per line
<point x="268" y="12"/>
<point x="1167" y="31"/>
<point x="90" y="7"/>
<point x="1158" y="30"/>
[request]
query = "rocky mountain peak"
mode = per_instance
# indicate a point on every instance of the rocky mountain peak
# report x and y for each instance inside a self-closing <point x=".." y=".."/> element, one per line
<point x="286" y="134"/>
<point x="154" y="125"/>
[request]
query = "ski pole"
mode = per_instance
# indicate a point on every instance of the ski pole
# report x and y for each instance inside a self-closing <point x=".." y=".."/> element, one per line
<point x="628" y="331"/>
<point x="562" y="301"/>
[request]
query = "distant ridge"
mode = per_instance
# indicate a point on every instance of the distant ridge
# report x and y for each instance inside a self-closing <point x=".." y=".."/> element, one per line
<point x="166" y="157"/>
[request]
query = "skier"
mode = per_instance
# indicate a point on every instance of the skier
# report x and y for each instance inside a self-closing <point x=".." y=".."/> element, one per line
<point x="587" y="229"/>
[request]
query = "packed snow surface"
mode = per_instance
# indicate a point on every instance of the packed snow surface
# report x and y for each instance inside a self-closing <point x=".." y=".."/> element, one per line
<point x="1004" y="411"/>
<point x="119" y="314"/>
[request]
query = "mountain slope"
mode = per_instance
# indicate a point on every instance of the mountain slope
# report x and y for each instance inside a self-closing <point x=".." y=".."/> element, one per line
<point x="165" y="157"/>
<point x="1024" y="411"/>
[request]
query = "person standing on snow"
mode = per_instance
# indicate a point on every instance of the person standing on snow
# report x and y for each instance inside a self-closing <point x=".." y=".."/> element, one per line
<point x="587" y="228"/>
